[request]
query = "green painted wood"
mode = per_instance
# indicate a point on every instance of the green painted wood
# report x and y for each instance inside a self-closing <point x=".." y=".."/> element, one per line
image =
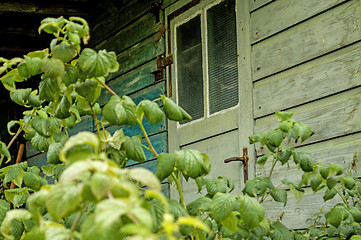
<point x="330" y="74"/>
<point x="37" y="160"/>
<point x="137" y="55"/>
<point x="167" y="3"/>
<point x="127" y="14"/>
<point x="255" y="4"/>
<point x="327" y="32"/>
<point x="150" y="165"/>
<point x="133" y="81"/>
<point x="282" y="14"/>
<point x="330" y="117"/>
<point x="87" y="124"/>
<point x="131" y="35"/>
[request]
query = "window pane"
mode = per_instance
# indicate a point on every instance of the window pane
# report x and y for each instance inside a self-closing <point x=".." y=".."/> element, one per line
<point x="189" y="66"/>
<point x="222" y="56"/>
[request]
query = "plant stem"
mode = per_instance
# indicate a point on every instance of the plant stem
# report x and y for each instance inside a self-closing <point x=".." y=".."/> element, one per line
<point x="147" y="138"/>
<point x="343" y="198"/>
<point x="77" y="219"/>
<point x="179" y="188"/>
<point x="107" y="87"/>
<point x="273" y="164"/>
<point x="15" y="136"/>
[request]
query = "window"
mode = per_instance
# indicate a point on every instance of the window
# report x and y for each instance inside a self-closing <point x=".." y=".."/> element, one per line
<point x="206" y="60"/>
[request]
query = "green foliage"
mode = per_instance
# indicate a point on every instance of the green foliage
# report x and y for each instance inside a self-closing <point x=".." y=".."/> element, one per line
<point x="95" y="197"/>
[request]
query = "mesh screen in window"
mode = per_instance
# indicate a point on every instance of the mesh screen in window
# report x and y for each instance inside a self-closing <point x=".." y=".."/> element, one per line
<point x="222" y="56"/>
<point x="189" y="67"/>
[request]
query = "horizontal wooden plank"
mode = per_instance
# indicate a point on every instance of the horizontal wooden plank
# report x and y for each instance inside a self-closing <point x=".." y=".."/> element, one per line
<point x="330" y="74"/>
<point x="127" y="14"/>
<point x="131" y="35"/>
<point x="254" y="4"/>
<point x="282" y="14"/>
<point x="37" y="160"/>
<point x="296" y="214"/>
<point x="340" y="150"/>
<point x="320" y="35"/>
<point x="137" y="55"/>
<point x="87" y="124"/>
<point x="133" y="81"/>
<point x="150" y="165"/>
<point x="329" y="117"/>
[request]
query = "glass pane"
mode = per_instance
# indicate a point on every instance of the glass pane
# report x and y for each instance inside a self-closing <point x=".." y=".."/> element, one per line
<point x="189" y="66"/>
<point x="222" y="56"/>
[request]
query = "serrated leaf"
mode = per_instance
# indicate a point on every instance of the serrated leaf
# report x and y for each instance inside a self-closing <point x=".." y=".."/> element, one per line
<point x="284" y="156"/>
<point x="108" y="213"/>
<point x="40" y="143"/>
<point x="337" y="168"/>
<point x="283" y="116"/>
<point x="97" y="64"/>
<point x="298" y="157"/>
<point x="9" y="79"/>
<point x="64" y="52"/>
<point x="274" y="139"/>
<point x="192" y="163"/>
<point x="4" y="151"/>
<point x="165" y="165"/>
<point x="17" y="214"/>
<point x="302" y="130"/>
<point x="315" y="183"/>
<point x="214" y="186"/>
<point x="52" y="67"/>
<point x="251" y="212"/>
<point x="117" y="139"/>
<point x="349" y="182"/>
<point x="279" y="195"/>
<point x="63" y="199"/>
<point x="145" y="177"/>
<point x="120" y="111"/>
<point x="53" y="152"/>
<point x="356" y="214"/>
<point x="286" y="126"/>
<point x="63" y="109"/>
<point x="324" y="171"/>
<point x="198" y="206"/>
<point x="221" y="206"/>
<point x="100" y="185"/>
<point x="331" y="182"/>
<point x="45" y="127"/>
<point x="88" y="90"/>
<point x="336" y="215"/>
<point x="48" y="88"/>
<point x="32" y="181"/>
<point x="329" y="194"/>
<point x="263" y="159"/>
<point x="173" y="111"/>
<point x="17" y="196"/>
<point x="70" y="75"/>
<point x="230" y="222"/>
<point x="151" y="111"/>
<point x="82" y="138"/>
<point x="257" y="137"/>
<point x="20" y="96"/>
<point x="133" y="148"/>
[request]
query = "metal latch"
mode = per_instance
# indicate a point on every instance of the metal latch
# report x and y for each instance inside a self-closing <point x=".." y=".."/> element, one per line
<point x="243" y="159"/>
<point x="162" y="62"/>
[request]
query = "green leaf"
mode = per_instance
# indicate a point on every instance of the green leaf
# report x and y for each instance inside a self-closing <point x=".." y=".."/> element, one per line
<point x="53" y="152"/>
<point x="82" y="138"/>
<point x="63" y="109"/>
<point x="40" y="143"/>
<point x="286" y="125"/>
<point x="337" y="168"/>
<point x="283" y="116"/>
<point x="279" y="195"/>
<point x="329" y="194"/>
<point x="88" y="90"/>
<point x="221" y="206"/>
<point x="11" y="174"/>
<point x="145" y="177"/>
<point x="64" y="52"/>
<point x="251" y="212"/>
<point x="263" y="159"/>
<point x="48" y="88"/>
<point x="198" y="206"/>
<point x="33" y="65"/>
<point x="192" y="163"/>
<point x="70" y="75"/>
<point x="303" y="131"/>
<point x="315" y="183"/>
<point x="336" y="215"/>
<point x="331" y="182"/>
<point x="274" y="139"/>
<point x="280" y="232"/>
<point x="230" y="222"/>
<point x="32" y="181"/>
<point x="349" y="182"/>
<point x="17" y="196"/>
<point x="4" y="151"/>
<point x="63" y="199"/>
<point x="120" y="111"/>
<point x="108" y="213"/>
<point x="100" y="185"/>
<point x="214" y="186"/>
<point x="52" y="67"/>
<point x="20" y="96"/>
<point x="356" y="237"/>
<point x="173" y="111"/>
<point x="117" y="139"/>
<point x="97" y="64"/>
<point x="34" y="100"/>
<point x="151" y="111"/>
<point x="165" y="165"/>
<point x="299" y="157"/>
<point x="133" y="148"/>
<point x="45" y="127"/>
<point x="57" y="232"/>
<point x="229" y="182"/>
<point x="10" y="78"/>
<point x="356" y="214"/>
<point x="257" y="137"/>
<point x="324" y="171"/>
<point x="176" y="209"/>
<point x="8" y="222"/>
<point x="284" y="156"/>
<point x="306" y="164"/>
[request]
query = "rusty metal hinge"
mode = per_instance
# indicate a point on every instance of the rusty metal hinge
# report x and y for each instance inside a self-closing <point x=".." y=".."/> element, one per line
<point x="243" y="159"/>
<point x="162" y="62"/>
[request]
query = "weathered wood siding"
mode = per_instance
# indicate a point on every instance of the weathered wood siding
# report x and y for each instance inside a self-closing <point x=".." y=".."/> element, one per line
<point x="305" y="59"/>
<point x="130" y="30"/>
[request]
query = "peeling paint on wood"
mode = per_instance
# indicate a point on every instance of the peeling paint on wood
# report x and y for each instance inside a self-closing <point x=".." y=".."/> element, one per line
<point x="282" y="14"/>
<point x="327" y="32"/>
<point x="330" y="74"/>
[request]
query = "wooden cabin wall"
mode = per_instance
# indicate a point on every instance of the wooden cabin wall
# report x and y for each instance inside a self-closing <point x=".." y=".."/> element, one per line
<point x="131" y="31"/>
<point x="305" y="57"/>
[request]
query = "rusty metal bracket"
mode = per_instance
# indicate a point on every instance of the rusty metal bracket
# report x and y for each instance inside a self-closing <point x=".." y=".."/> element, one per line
<point x="243" y="159"/>
<point x="162" y="62"/>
